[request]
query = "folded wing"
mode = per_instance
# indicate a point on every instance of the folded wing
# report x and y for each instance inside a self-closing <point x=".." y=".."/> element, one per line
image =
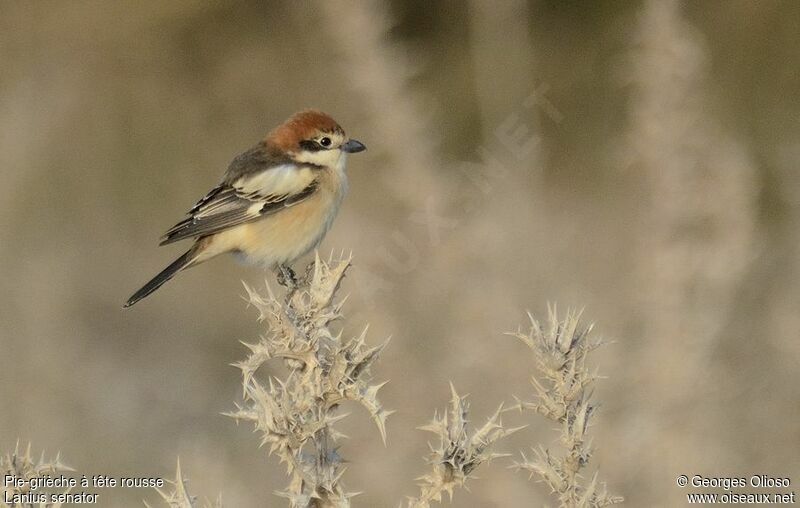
<point x="247" y="198"/>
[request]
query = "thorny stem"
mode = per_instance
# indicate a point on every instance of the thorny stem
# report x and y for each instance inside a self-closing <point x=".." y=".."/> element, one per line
<point x="563" y="395"/>
<point x="296" y="414"/>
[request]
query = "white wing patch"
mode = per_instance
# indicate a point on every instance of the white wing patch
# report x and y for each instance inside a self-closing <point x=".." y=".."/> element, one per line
<point x="276" y="183"/>
<point x="247" y="198"/>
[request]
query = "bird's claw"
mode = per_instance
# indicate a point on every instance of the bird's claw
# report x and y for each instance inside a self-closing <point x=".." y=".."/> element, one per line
<point x="286" y="277"/>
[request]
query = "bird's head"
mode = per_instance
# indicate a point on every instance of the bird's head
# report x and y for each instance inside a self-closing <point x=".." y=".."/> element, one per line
<point x="312" y="137"/>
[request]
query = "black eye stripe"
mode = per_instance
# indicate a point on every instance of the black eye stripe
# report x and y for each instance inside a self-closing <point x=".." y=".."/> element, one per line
<point x="310" y="145"/>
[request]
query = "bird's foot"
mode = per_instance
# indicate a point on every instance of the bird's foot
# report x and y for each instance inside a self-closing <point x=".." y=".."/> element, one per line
<point x="287" y="278"/>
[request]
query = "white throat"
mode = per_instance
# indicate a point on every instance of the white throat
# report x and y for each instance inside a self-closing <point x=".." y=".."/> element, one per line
<point x="334" y="159"/>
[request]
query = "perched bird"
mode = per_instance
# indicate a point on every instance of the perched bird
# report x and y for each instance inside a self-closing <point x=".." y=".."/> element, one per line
<point x="275" y="202"/>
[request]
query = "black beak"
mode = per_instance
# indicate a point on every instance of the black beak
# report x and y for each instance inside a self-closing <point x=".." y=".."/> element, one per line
<point x="353" y="146"/>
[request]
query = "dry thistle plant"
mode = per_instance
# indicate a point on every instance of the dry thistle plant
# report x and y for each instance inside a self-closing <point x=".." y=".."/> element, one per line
<point x="23" y="466"/>
<point x="296" y="414"/>
<point x="179" y="496"/>
<point x="459" y="451"/>
<point x="563" y="392"/>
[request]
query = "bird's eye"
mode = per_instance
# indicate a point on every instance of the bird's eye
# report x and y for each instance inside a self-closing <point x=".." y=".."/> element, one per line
<point x="326" y="142"/>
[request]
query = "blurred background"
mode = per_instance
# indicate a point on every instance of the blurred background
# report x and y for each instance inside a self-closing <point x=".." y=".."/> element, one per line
<point x="634" y="159"/>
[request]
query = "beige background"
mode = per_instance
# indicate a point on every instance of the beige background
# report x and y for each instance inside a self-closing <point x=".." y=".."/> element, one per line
<point x="638" y="160"/>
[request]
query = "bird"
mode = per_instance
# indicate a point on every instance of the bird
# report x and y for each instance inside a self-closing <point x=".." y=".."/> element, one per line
<point x="274" y="203"/>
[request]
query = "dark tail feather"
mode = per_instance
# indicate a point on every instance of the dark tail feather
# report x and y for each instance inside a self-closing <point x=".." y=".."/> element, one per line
<point x="165" y="275"/>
